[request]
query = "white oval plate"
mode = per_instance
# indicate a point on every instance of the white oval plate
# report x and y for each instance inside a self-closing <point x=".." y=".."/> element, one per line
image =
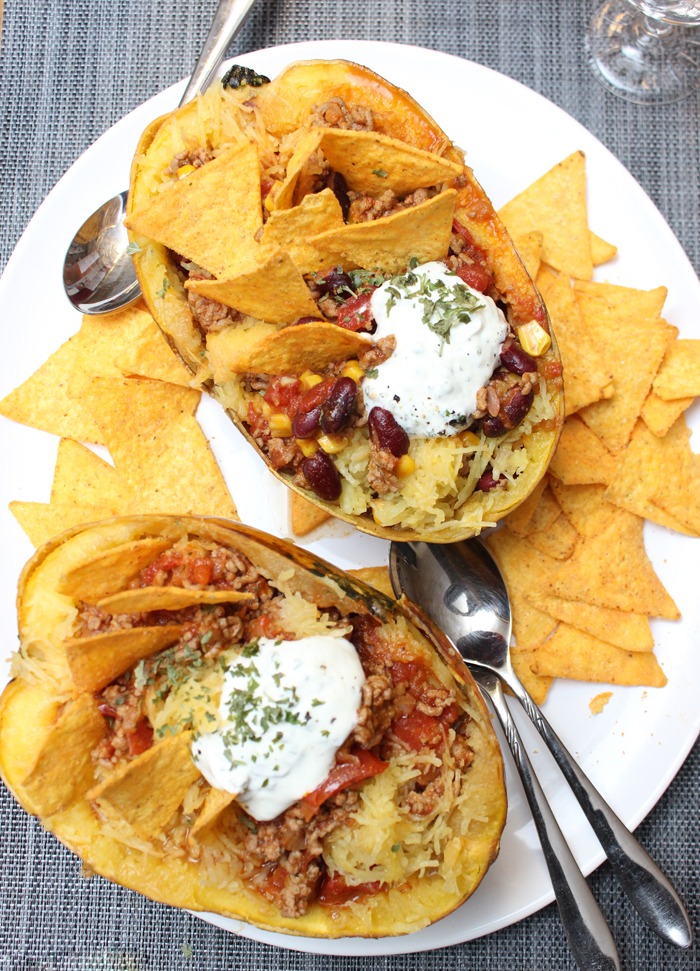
<point x="511" y="135"/>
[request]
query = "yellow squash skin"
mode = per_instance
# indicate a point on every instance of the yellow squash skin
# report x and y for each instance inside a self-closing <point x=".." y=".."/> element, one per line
<point x="41" y="697"/>
<point x="284" y="106"/>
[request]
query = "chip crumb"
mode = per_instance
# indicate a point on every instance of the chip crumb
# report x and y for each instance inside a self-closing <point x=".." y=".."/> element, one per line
<point x="599" y="702"/>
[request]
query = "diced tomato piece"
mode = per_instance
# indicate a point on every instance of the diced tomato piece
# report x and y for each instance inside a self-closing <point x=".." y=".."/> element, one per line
<point x="141" y="739"/>
<point x="356" y="313"/>
<point x="418" y="730"/>
<point x="201" y="570"/>
<point x="475" y="275"/>
<point x="334" y="890"/>
<point x="282" y="392"/>
<point x="343" y="775"/>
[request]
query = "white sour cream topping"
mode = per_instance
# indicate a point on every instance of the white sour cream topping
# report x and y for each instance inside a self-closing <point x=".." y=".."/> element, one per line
<point x="284" y="712"/>
<point x="448" y="338"/>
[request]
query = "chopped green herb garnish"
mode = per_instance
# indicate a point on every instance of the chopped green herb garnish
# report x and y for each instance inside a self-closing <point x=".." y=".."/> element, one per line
<point x="133" y="248"/>
<point x="164" y="289"/>
<point x="380" y="173"/>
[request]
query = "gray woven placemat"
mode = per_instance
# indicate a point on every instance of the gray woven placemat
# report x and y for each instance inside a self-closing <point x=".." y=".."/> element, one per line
<point x="68" y="70"/>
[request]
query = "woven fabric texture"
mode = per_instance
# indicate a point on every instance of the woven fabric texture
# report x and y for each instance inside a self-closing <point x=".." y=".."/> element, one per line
<point x="68" y="70"/>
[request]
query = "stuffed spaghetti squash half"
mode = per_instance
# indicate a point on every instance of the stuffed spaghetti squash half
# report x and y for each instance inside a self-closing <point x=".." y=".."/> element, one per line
<point x="317" y="251"/>
<point x="222" y="722"/>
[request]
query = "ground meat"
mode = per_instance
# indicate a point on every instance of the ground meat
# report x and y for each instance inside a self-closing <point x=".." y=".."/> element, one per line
<point x="381" y="470"/>
<point x="492" y="398"/>
<point x="377" y="353"/>
<point x="365" y="208"/>
<point x="210" y="315"/>
<point x="423" y="802"/>
<point x="284" y="453"/>
<point x="336" y="114"/>
<point x="433" y="701"/>
<point x="377" y="710"/>
<point x="196" y="157"/>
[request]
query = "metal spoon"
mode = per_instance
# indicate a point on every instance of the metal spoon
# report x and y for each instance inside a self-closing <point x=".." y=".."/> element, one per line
<point x="98" y="272"/>
<point x="461" y="589"/>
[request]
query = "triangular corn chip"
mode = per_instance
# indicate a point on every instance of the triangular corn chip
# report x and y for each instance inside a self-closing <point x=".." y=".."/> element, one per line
<point x="274" y="290"/>
<point x="631" y="632"/>
<point x="571" y="653"/>
<point x="601" y="250"/>
<point x="282" y="194"/>
<point x="95" y="661"/>
<point x="585" y="507"/>
<point x="215" y="802"/>
<point x="610" y="302"/>
<point x="660" y="416"/>
<point x="45" y="401"/>
<point x="289" y="229"/>
<point x="421" y="232"/>
<point x="371" y="162"/>
<point x="304" y="515"/>
<point x="529" y="247"/>
<point x="581" y="458"/>
<point x="679" y="374"/>
<point x="129" y="793"/>
<point x="612" y="570"/>
<point x="43" y="520"/>
<point x="555" y="205"/>
<point x="111" y="570"/>
<point x="143" y="599"/>
<point x="187" y="216"/>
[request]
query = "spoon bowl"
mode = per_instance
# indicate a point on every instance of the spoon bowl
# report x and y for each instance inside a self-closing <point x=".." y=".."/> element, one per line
<point x="460" y="587"/>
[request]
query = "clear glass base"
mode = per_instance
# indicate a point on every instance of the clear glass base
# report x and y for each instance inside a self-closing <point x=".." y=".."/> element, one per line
<point x="642" y="59"/>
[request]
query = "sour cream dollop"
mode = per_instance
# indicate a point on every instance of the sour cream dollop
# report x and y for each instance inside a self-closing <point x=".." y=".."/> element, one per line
<point x="448" y="339"/>
<point x="286" y="708"/>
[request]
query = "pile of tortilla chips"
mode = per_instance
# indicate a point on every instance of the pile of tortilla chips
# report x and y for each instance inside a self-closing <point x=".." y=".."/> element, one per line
<point x="117" y="384"/>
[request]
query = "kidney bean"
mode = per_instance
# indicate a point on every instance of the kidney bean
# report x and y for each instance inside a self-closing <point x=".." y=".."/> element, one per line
<point x="386" y="432"/>
<point x="305" y="423"/>
<point x="339" y="406"/>
<point x="516" y="360"/>
<point x="487" y="481"/>
<point x="517" y="406"/>
<point x="335" y="283"/>
<point x="322" y="476"/>
<point x="493" y="427"/>
<point x="314" y="397"/>
<point x="339" y="187"/>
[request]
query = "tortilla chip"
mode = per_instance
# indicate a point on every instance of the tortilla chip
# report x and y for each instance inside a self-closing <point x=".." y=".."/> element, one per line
<point x="612" y="570"/>
<point x="644" y="466"/>
<point x="143" y="599"/>
<point x="43" y="520"/>
<point x="558" y="540"/>
<point x="78" y="729"/>
<point x="293" y="350"/>
<point x="152" y="357"/>
<point x="95" y="661"/>
<point x="283" y="194"/>
<point x="135" y="404"/>
<point x="304" y="516"/>
<point x="545" y="513"/>
<point x="536" y="685"/>
<point x="524" y="569"/>
<point x="226" y="347"/>
<point x="570" y="653"/>
<point x="377" y="577"/>
<point x="519" y="521"/>
<point x="635" y="348"/>
<point x="581" y="458"/>
<point x="587" y="376"/>
<point x="660" y="416"/>
<point x="274" y="290"/>
<point x="601" y="251"/>
<point x="289" y="229"/>
<point x="611" y="302"/>
<point x="45" y="401"/>
<point x="129" y="794"/>
<point x="529" y="247"/>
<point x="187" y="216"/>
<point x="679" y="374"/>
<point x="170" y="467"/>
<point x="631" y="632"/>
<point x="83" y="478"/>
<point x="112" y="570"/>
<point x="372" y="163"/>
<point x="555" y="205"/>
<point x="421" y="232"/>
<point x="678" y="495"/>
<point x="215" y="802"/>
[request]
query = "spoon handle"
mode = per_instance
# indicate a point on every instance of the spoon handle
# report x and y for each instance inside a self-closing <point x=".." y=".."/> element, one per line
<point x="643" y="881"/>
<point x="589" y="936"/>
<point x="228" y="20"/>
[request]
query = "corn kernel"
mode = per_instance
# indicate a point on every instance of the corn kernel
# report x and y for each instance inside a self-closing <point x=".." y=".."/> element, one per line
<point x="280" y="425"/>
<point x="308" y="446"/>
<point x="354" y="370"/>
<point x="534" y="338"/>
<point x="332" y="444"/>
<point x="405" y="467"/>
<point x="271" y="197"/>
<point x="309" y="380"/>
<point x="470" y="438"/>
<point x="266" y="408"/>
<point x="185" y="170"/>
